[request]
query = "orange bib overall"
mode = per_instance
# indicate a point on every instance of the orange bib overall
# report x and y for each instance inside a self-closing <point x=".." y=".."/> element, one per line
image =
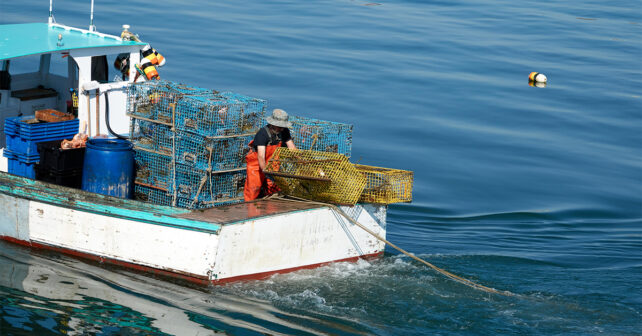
<point x="256" y="182"/>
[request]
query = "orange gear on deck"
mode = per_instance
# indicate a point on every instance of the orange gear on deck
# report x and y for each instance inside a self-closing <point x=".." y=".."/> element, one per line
<point x="257" y="184"/>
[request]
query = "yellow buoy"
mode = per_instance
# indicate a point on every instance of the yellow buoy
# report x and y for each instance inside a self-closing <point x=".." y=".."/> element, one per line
<point x="537" y="77"/>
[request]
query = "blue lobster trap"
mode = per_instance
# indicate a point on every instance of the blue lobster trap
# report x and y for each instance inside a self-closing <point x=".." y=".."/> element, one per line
<point x="219" y="115"/>
<point x="197" y="110"/>
<point x="156" y="100"/>
<point x="213" y="153"/>
<point x="152" y="195"/>
<point x="152" y="136"/>
<point x="196" y="189"/>
<point x="153" y="169"/>
<point x="321" y="135"/>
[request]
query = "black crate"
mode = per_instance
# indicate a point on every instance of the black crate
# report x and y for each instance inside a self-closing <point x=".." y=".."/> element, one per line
<point x="59" y="160"/>
<point x="68" y="178"/>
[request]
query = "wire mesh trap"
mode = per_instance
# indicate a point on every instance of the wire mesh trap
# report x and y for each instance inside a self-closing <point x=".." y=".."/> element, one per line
<point x="315" y="175"/>
<point x="321" y="135"/>
<point x="386" y="185"/>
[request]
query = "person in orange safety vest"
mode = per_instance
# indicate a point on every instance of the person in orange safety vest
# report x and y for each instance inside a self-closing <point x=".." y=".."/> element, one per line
<point x="276" y="133"/>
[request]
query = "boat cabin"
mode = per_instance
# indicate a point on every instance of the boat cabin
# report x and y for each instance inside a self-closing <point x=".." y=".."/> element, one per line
<point x="52" y="66"/>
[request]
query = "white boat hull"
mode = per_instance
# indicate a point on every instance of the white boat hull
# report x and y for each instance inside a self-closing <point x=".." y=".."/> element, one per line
<point x="258" y="239"/>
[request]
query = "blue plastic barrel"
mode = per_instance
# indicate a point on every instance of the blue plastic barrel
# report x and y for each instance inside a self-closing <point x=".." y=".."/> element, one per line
<point x="109" y="167"/>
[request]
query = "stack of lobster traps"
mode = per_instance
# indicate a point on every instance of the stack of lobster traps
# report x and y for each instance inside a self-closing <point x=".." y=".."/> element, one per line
<point x="190" y="143"/>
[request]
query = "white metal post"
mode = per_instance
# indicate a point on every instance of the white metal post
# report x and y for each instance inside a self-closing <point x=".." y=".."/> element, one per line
<point x="92" y="27"/>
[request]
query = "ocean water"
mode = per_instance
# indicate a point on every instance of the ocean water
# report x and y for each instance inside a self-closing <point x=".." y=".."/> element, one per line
<point x="537" y="191"/>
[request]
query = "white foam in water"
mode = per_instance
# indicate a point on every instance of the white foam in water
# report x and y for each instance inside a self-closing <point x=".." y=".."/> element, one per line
<point x="332" y="288"/>
<point x="308" y="298"/>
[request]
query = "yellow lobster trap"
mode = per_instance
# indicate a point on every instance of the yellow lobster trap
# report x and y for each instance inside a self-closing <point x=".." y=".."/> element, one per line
<point x="330" y="177"/>
<point x="386" y="185"/>
<point x="320" y="176"/>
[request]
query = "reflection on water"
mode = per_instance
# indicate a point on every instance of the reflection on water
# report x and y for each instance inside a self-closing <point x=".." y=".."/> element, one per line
<point x="537" y="84"/>
<point x="78" y="305"/>
<point x="49" y="294"/>
<point x="42" y="292"/>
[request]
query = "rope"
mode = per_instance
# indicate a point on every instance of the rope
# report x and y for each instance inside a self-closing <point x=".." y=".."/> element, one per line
<point x="439" y="270"/>
<point x="204" y="178"/>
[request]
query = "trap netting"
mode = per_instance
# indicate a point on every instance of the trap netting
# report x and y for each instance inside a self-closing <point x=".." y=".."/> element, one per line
<point x="198" y="189"/>
<point x="152" y="136"/>
<point x="320" y="176"/>
<point x="152" y="195"/>
<point x="160" y="181"/>
<point x="153" y="169"/>
<point x="321" y="135"/>
<point x="213" y="153"/>
<point x="219" y="115"/>
<point x="156" y="100"/>
<point x="330" y="177"/>
<point x="196" y="110"/>
<point x="386" y="185"/>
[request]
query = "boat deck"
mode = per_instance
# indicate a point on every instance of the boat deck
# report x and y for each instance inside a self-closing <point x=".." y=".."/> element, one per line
<point x="207" y="219"/>
<point x="229" y="214"/>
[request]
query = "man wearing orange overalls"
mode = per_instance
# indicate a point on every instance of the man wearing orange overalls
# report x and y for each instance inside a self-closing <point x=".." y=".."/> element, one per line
<point x="265" y="142"/>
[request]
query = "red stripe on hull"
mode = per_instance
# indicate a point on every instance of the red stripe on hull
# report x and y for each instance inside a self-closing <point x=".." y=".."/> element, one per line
<point x="194" y="278"/>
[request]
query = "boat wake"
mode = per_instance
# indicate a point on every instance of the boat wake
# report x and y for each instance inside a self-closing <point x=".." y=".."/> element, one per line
<point x="53" y="294"/>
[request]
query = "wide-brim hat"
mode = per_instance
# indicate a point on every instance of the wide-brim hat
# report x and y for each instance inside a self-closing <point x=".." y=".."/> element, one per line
<point x="279" y="118"/>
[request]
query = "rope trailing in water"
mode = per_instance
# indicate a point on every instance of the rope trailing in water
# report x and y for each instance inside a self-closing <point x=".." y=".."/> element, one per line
<point x="439" y="270"/>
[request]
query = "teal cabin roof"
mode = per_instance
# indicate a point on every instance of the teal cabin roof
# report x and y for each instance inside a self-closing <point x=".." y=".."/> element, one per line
<point x="18" y="40"/>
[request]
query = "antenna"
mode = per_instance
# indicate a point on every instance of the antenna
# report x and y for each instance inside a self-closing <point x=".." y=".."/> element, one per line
<point x="91" y="18"/>
<point x="50" y="21"/>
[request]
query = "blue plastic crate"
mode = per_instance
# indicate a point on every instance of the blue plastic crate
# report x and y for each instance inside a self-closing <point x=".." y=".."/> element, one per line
<point x="22" y="157"/>
<point x="30" y="132"/>
<point x="11" y="127"/>
<point x="8" y="154"/>
<point x="199" y="188"/>
<point x="40" y="131"/>
<point x="227" y="152"/>
<point x="29" y="148"/>
<point x="20" y="168"/>
<point x="153" y="169"/>
<point x="321" y="135"/>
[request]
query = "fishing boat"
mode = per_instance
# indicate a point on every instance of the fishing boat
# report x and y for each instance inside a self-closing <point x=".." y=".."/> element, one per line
<point x="231" y="241"/>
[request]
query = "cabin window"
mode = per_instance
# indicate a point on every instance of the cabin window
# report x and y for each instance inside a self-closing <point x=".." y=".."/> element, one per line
<point x="31" y="64"/>
<point x="106" y="69"/>
<point x="23" y="65"/>
<point x="59" y="65"/>
<point x="115" y="74"/>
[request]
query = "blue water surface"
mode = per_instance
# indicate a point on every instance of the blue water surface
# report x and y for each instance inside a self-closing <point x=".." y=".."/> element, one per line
<point x="537" y="191"/>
